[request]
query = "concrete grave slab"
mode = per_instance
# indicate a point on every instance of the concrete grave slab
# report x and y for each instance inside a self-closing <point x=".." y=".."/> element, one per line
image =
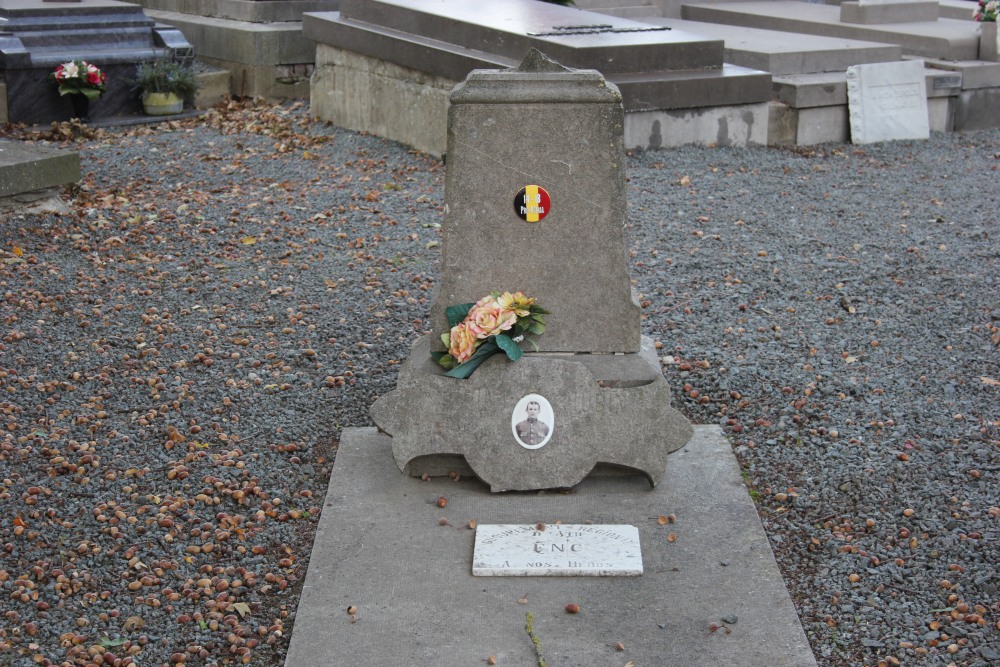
<point x="783" y="53"/>
<point x="27" y="168"/>
<point x="943" y="38"/>
<point x="874" y="12"/>
<point x="380" y="548"/>
<point x="887" y="101"/>
<point x="442" y="41"/>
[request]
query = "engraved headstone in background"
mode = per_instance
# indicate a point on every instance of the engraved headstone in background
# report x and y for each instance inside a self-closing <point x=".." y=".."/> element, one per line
<point x="887" y="101"/>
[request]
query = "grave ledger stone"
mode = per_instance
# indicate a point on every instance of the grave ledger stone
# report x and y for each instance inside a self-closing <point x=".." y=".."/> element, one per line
<point x="535" y="202"/>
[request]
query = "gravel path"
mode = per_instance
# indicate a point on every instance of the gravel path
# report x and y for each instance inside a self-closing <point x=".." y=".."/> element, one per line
<point x="179" y="353"/>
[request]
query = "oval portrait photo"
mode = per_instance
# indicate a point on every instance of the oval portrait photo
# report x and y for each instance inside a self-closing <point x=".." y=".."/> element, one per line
<point x="532" y="421"/>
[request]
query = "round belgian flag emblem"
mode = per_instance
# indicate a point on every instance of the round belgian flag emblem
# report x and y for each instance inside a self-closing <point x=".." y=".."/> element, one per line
<point x="532" y="203"/>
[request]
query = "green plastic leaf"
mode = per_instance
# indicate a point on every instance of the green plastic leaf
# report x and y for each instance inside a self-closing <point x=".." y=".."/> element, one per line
<point x="507" y="344"/>
<point x="537" y="328"/>
<point x="107" y="642"/>
<point x="465" y="369"/>
<point x="457" y="313"/>
<point x="539" y="310"/>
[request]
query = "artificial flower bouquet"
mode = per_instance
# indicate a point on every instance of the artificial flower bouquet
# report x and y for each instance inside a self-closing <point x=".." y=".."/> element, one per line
<point x="986" y="11"/>
<point x="79" y="77"/>
<point x="479" y="330"/>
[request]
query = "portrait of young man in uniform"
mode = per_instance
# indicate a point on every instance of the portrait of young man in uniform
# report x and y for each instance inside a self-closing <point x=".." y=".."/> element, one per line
<point x="532" y="431"/>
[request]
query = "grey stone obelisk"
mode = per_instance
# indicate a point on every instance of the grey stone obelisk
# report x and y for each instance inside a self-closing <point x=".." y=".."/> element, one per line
<point x="535" y="202"/>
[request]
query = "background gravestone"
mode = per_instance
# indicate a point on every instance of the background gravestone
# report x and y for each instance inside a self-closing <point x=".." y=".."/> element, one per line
<point x="887" y="102"/>
<point x="554" y="136"/>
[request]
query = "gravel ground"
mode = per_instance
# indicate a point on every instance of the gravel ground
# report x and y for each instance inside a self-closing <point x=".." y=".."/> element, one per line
<point x="181" y="350"/>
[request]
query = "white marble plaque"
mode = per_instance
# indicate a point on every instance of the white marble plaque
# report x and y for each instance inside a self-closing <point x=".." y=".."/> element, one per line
<point x="582" y="550"/>
<point x="887" y="101"/>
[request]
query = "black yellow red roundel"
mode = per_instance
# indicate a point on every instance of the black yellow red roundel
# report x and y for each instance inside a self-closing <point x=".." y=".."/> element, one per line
<point x="532" y="203"/>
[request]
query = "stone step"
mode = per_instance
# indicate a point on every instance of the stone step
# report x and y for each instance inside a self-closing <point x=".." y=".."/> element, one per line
<point x="945" y="38"/>
<point x="960" y="10"/>
<point x="782" y="53"/>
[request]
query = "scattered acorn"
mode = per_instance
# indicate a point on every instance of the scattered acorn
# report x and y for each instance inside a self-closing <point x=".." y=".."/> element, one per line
<point x="442" y="501"/>
<point x="572" y="608"/>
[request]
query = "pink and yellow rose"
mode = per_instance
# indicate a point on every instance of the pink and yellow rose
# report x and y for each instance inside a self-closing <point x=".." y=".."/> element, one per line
<point x="516" y="303"/>
<point x="488" y="318"/>
<point x="462" y="342"/>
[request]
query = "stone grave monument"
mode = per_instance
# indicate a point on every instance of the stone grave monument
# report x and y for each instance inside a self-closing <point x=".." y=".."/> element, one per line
<point x="536" y="205"/>
<point x="429" y="568"/>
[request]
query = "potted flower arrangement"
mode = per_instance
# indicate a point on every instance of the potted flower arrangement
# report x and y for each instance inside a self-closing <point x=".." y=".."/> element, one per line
<point x="989" y="42"/>
<point x="83" y="82"/>
<point x="165" y="86"/>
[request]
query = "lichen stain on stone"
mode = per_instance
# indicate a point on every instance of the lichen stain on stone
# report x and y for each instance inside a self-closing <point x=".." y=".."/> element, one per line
<point x="722" y="136"/>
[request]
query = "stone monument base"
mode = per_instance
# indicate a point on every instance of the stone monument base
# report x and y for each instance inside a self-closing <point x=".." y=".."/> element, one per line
<point x="380" y="547"/>
<point x="612" y="409"/>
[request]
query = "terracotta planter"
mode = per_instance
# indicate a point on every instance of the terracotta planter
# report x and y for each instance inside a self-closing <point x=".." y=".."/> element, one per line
<point x="989" y="47"/>
<point x="161" y="104"/>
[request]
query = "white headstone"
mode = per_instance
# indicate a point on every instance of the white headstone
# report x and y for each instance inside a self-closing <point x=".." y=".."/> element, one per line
<point x="556" y="550"/>
<point x="887" y="101"/>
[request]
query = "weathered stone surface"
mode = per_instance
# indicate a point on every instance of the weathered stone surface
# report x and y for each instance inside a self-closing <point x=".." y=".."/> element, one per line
<point x="379" y="546"/>
<point x="887" y="101"/>
<point x="562" y="131"/>
<point x="876" y="12"/>
<point x="601" y="415"/>
<point x="25" y="168"/>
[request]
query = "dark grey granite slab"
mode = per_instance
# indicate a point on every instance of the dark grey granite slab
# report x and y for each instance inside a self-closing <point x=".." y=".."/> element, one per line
<point x="252" y="11"/>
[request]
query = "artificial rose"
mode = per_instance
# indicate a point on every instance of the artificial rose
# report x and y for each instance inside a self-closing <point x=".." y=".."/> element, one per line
<point x="516" y="303"/>
<point x="462" y="343"/>
<point x="487" y="318"/>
